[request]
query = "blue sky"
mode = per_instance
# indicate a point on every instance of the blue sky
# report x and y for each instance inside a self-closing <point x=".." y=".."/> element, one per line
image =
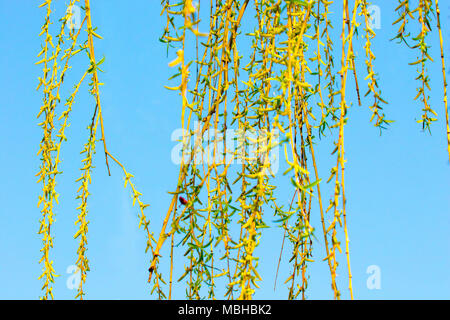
<point x="397" y="184"/>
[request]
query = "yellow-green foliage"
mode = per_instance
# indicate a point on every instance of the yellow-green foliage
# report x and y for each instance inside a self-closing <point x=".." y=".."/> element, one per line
<point x="292" y="59"/>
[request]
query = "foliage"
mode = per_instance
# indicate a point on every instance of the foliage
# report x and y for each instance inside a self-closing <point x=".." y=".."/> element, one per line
<point x="269" y="99"/>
